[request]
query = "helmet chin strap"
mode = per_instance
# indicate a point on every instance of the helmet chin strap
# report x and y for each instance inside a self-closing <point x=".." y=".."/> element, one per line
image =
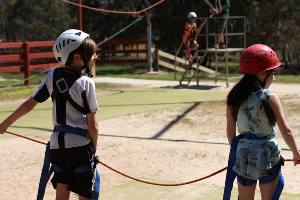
<point x="265" y="79"/>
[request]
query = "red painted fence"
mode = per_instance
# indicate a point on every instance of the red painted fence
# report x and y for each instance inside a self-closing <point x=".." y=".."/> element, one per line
<point x="17" y="57"/>
<point x="26" y="57"/>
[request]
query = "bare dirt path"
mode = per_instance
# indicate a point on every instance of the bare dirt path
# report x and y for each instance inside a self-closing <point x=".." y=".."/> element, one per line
<point x="163" y="146"/>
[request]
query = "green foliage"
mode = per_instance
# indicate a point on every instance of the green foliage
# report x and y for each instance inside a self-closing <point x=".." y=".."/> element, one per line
<point x="276" y="23"/>
<point x="33" y="19"/>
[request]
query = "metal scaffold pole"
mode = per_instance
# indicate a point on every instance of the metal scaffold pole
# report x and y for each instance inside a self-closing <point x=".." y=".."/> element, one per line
<point x="80" y="23"/>
<point x="149" y="39"/>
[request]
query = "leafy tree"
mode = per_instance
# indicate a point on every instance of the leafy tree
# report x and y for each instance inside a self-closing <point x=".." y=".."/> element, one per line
<point x="276" y="23"/>
<point x="34" y="19"/>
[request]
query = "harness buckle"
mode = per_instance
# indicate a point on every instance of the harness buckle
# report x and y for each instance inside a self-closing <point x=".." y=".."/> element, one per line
<point x="62" y="85"/>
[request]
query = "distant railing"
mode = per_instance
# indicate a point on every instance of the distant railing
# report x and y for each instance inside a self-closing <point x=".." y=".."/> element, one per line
<point x="123" y="51"/>
<point x="235" y="28"/>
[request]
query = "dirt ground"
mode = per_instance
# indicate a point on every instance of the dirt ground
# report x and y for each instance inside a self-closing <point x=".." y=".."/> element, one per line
<point x="169" y="145"/>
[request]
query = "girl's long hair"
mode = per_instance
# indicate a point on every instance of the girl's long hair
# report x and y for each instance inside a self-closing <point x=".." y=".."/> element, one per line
<point x="241" y="91"/>
<point x="86" y="50"/>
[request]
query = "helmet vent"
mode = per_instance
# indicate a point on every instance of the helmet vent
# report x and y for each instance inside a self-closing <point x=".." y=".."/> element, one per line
<point x="56" y="49"/>
<point x="68" y="41"/>
<point x="59" y="46"/>
<point x="63" y="43"/>
<point x="59" y="59"/>
<point x="78" y="33"/>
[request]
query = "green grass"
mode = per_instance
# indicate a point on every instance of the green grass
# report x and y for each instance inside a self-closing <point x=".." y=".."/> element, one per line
<point x="135" y="191"/>
<point x="16" y="92"/>
<point x="140" y="72"/>
<point x="144" y="100"/>
<point x="286" y="78"/>
<point x="17" y="79"/>
<point x="114" y="103"/>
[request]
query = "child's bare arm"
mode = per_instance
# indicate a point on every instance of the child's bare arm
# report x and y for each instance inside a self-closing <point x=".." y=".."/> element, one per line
<point x="231" y="125"/>
<point x="93" y="128"/>
<point x="210" y="5"/>
<point x="23" y="109"/>
<point x="284" y="127"/>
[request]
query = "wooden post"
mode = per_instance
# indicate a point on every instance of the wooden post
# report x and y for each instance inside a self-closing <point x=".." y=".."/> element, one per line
<point x="26" y="52"/>
<point x="155" y="60"/>
<point x="80" y="24"/>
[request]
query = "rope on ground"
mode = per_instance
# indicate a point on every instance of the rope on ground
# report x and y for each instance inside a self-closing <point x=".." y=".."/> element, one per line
<point x="120" y="31"/>
<point x="133" y="178"/>
<point x="115" y="11"/>
<point x="164" y="184"/>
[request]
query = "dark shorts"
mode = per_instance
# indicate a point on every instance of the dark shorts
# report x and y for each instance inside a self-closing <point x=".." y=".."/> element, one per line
<point x="69" y="159"/>
<point x="220" y="25"/>
<point x="262" y="180"/>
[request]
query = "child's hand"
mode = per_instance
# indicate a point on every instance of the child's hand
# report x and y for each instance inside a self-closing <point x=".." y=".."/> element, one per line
<point x="215" y="11"/>
<point x="3" y="128"/>
<point x="296" y="158"/>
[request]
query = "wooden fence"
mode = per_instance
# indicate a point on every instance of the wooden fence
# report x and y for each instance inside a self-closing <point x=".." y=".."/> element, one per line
<point x="25" y="57"/>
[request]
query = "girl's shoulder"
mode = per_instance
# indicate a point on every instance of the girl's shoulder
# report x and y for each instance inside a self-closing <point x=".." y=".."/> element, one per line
<point x="86" y="82"/>
<point x="267" y="92"/>
<point x="86" y="79"/>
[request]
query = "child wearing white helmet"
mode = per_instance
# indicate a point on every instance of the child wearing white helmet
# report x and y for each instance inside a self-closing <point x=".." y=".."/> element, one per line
<point x="188" y="38"/>
<point x="74" y="140"/>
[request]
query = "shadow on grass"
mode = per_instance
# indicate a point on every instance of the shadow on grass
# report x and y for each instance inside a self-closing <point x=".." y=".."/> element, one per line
<point x="194" y="87"/>
<point x="166" y="140"/>
<point x="149" y="104"/>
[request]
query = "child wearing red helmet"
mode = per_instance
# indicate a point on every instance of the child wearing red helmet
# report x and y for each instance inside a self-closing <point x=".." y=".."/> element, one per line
<point x="255" y="111"/>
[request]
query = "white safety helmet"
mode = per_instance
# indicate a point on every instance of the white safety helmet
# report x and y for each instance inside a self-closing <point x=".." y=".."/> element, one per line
<point x="67" y="42"/>
<point x="192" y="15"/>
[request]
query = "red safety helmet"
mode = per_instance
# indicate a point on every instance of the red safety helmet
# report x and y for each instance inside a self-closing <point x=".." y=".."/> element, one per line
<point x="258" y="58"/>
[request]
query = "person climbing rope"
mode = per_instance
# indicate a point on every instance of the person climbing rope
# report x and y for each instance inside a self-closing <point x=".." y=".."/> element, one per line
<point x="252" y="107"/>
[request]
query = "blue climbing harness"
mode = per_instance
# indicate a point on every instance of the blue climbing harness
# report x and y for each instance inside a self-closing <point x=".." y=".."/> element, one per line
<point x="231" y="175"/>
<point x="49" y="168"/>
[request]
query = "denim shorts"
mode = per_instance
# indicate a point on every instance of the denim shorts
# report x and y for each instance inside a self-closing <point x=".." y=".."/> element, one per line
<point x="262" y="180"/>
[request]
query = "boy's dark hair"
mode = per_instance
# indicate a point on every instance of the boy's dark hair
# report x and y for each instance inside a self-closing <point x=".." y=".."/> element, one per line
<point x="241" y="91"/>
<point x="86" y="50"/>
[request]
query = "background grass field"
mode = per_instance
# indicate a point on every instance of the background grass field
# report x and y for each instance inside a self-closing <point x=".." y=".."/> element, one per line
<point x="113" y="102"/>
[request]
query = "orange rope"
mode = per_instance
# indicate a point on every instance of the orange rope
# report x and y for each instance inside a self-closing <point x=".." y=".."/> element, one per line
<point x="28" y="138"/>
<point x="164" y="184"/>
<point x="136" y="179"/>
<point x="114" y="11"/>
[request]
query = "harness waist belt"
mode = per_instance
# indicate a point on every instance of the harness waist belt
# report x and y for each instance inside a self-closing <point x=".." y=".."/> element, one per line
<point x="253" y="136"/>
<point x="71" y="130"/>
<point x="80" y="169"/>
